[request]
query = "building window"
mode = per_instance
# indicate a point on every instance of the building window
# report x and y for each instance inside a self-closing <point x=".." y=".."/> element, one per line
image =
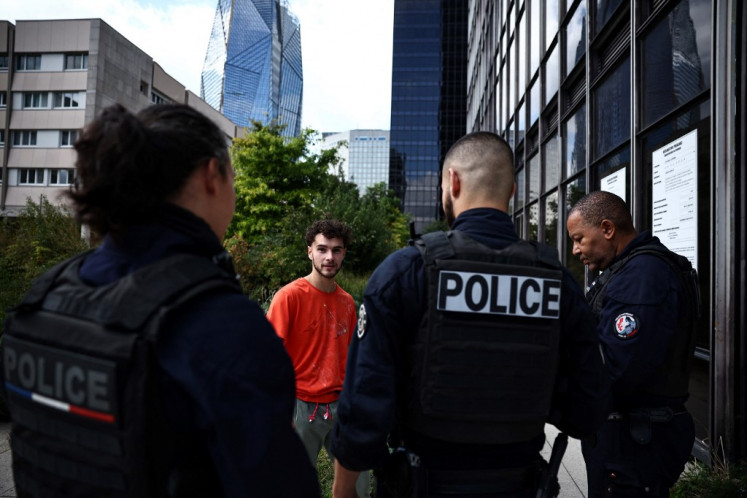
<point x="76" y="61"/>
<point x="66" y="99"/>
<point x="25" y="138"/>
<point x="3" y="62"/>
<point x="28" y="62"/>
<point x="35" y="100"/>
<point x="68" y="138"/>
<point x="2" y="138"/>
<point x="61" y="176"/>
<point x="612" y="110"/>
<point x="158" y="98"/>
<point x="31" y="176"/>
<point x="3" y="99"/>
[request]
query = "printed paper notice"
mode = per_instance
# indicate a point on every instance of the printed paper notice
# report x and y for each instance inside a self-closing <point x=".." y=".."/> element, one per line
<point x="675" y="196"/>
<point x="615" y="183"/>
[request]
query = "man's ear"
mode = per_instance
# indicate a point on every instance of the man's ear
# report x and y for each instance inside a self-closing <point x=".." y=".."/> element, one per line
<point x="211" y="175"/>
<point x="608" y="229"/>
<point x="455" y="183"/>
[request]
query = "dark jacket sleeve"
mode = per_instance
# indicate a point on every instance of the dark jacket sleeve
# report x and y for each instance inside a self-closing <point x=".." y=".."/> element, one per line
<point x="582" y="397"/>
<point x="367" y="410"/>
<point x="646" y="293"/>
<point x="238" y="382"/>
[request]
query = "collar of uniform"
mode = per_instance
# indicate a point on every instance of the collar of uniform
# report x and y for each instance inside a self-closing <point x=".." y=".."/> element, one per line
<point x="488" y="226"/>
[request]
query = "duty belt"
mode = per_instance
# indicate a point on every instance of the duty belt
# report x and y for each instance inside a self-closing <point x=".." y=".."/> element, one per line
<point x="640" y="420"/>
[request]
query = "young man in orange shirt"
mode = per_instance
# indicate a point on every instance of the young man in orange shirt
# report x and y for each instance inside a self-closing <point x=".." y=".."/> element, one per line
<point x="316" y="320"/>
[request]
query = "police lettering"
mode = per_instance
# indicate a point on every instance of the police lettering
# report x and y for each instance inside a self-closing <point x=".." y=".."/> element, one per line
<point x="516" y="295"/>
<point x="59" y="375"/>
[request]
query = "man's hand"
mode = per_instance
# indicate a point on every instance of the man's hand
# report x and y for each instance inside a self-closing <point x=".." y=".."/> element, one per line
<point x="344" y="484"/>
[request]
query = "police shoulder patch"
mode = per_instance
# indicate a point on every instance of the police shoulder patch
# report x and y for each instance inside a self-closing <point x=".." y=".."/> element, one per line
<point x="626" y="326"/>
<point x="362" y="319"/>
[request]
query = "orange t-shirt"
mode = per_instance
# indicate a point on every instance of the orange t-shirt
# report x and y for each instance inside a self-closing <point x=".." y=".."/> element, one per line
<point x="316" y="328"/>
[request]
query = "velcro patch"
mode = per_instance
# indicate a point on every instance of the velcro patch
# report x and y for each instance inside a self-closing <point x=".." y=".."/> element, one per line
<point x="626" y="326"/>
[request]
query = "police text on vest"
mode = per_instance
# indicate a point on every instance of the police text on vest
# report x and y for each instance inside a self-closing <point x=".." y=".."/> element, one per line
<point x="515" y="295"/>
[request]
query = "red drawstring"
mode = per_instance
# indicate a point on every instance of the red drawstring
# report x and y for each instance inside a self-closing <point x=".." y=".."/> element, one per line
<point x="313" y="415"/>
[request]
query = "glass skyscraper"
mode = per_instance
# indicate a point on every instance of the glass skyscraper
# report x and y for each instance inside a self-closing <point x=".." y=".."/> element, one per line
<point x="429" y="89"/>
<point x="253" y="67"/>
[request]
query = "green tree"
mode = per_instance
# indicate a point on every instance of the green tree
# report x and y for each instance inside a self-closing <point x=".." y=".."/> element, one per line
<point x="275" y="177"/>
<point x="40" y="237"/>
<point x="282" y="185"/>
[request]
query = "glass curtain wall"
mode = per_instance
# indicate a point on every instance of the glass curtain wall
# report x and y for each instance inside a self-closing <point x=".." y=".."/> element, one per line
<point x="591" y="94"/>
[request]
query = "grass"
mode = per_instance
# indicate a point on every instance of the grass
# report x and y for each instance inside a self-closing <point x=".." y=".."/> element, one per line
<point x="723" y="480"/>
<point x="326" y="472"/>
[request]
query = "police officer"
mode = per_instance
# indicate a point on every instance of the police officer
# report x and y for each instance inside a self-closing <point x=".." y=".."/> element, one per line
<point x="646" y="301"/>
<point x="467" y="343"/>
<point x="140" y="368"/>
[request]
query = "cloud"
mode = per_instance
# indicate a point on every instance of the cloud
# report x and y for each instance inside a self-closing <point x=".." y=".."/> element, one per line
<point x="346" y="45"/>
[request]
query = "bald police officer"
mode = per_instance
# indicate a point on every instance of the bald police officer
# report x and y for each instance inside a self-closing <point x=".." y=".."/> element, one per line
<point x="646" y="301"/>
<point x="468" y="342"/>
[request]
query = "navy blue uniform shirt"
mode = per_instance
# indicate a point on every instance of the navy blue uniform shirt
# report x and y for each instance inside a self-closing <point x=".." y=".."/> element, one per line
<point x="225" y="379"/>
<point x="638" y="323"/>
<point x="376" y="375"/>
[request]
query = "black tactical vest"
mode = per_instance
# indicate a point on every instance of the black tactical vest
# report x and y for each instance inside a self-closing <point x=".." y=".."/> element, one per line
<point x="672" y="378"/>
<point x="485" y="357"/>
<point x="79" y="370"/>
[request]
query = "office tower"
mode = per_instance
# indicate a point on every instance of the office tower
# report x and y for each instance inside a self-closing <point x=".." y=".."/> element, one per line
<point x="429" y="88"/>
<point x="365" y="158"/>
<point x="55" y="77"/>
<point x="253" y="67"/>
<point x="644" y="99"/>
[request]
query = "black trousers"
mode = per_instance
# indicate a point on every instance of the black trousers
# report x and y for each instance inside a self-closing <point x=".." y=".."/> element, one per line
<point x="618" y="466"/>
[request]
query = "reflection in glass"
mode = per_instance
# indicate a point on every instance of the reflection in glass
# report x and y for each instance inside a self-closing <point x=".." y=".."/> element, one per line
<point x="519" y="189"/>
<point x="551" y="156"/>
<point x="511" y="81"/>
<point x="533" y="222"/>
<point x="521" y="42"/>
<point x="605" y="9"/>
<point x="574" y="191"/>
<point x="551" y="21"/>
<point x="519" y="224"/>
<point x="551" y="219"/>
<point x="574" y="142"/>
<point x="534" y="103"/>
<point x="612" y="110"/>
<point x="534" y="39"/>
<point x="575" y="38"/>
<point x="552" y="68"/>
<point x="676" y="60"/>
<point x="534" y="177"/>
<point x="522" y="126"/>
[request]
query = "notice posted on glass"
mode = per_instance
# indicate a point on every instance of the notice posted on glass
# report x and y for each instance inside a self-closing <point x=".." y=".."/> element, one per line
<point x="675" y="196"/>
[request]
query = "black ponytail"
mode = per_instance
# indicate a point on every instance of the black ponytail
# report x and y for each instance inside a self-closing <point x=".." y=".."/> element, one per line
<point x="129" y="164"/>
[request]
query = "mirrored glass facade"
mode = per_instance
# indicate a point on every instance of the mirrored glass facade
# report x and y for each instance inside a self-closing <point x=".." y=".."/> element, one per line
<point x="253" y="66"/>
<point x="429" y="72"/>
<point x="588" y="93"/>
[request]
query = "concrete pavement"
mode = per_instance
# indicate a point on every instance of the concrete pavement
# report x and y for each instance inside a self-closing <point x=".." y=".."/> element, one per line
<point x="572" y="473"/>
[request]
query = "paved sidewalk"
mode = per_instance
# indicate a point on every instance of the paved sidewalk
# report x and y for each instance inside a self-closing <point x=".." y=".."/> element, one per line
<point x="7" y="487"/>
<point x="572" y="474"/>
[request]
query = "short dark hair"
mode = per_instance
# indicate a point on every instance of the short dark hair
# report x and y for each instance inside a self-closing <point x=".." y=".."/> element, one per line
<point x="331" y="229"/>
<point x="600" y="205"/>
<point x="129" y="164"/>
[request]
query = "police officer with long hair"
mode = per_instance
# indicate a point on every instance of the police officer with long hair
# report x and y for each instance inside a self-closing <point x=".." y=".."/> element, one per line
<point x="140" y="368"/>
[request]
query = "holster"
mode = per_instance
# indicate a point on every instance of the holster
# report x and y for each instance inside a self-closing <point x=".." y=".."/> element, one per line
<point x="401" y="477"/>
<point x="640" y="422"/>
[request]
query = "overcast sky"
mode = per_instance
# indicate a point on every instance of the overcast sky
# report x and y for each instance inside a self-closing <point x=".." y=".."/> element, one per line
<point x="347" y="48"/>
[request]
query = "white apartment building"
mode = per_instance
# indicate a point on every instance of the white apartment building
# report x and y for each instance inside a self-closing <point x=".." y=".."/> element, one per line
<point x="55" y="77"/>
